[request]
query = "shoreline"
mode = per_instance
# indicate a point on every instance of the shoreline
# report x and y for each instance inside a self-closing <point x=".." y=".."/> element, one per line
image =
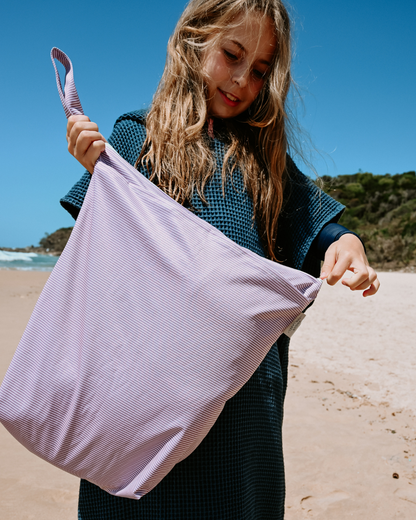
<point x="31" y="249"/>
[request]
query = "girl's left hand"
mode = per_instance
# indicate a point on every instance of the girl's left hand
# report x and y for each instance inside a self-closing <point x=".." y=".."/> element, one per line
<point x="347" y="254"/>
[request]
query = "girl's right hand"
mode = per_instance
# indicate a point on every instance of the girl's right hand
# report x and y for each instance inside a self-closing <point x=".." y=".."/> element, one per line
<point x="85" y="142"/>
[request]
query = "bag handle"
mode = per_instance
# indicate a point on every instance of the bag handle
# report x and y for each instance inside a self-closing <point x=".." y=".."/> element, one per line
<point x="70" y="100"/>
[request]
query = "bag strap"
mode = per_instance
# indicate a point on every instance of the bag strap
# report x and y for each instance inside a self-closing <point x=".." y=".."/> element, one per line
<point x="70" y="100"/>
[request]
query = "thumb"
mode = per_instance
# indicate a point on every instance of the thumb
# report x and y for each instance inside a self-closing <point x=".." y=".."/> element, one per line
<point x="329" y="262"/>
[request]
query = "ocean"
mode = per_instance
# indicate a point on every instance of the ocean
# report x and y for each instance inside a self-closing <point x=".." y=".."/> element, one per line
<point x="27" y="261"/>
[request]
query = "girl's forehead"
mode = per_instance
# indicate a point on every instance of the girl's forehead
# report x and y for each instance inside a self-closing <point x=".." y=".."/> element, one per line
<point x="254" y="33"/>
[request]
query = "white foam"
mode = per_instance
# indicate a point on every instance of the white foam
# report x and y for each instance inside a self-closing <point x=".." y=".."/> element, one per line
<point x="8" y="256"/>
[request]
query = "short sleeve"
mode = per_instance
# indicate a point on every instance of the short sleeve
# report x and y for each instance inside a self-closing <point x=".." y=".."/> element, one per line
<point x="306" y="210"/>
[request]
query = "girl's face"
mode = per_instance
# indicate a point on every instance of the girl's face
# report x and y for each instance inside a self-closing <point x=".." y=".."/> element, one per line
<point x="236" y="67"/>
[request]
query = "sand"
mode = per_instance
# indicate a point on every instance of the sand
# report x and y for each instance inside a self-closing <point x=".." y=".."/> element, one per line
<point x="31" y="489"/>
<point x="350" y="410"/>
<point x="349" y="417"/>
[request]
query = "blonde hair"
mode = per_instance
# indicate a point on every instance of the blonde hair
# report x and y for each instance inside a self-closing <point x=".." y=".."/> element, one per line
<point x="176" y="151"/>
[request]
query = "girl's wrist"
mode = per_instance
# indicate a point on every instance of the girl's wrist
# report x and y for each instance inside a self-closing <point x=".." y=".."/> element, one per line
<point x="327" y="236"/>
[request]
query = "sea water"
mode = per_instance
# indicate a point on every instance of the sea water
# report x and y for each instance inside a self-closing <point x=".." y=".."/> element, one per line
<point x="27" y="261"/>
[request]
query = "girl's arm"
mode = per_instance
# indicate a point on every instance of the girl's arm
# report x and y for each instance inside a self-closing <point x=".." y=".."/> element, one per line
<point x="127" y="138"/>
<point x="85" y="142"/>
<point x="347" y="254"/>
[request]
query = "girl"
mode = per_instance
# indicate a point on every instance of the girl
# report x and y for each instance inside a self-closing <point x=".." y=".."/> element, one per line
<point x="215" y="139"/>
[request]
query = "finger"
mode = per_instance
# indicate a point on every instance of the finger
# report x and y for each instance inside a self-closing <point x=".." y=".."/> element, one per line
<point x="372" y="277"/>
<point x="72" y="120"/>
<point x="96" y="148"/>
<point x="92" y="155"/>
<point x="329" y="262"/>
<point x="372" y="289"/>
<point x="81" y="126"/>
<point x="79" y="139"/>
<point x="360" y="277"/>
<point x="84" y="141"/>
<point x="340" y="268"/>
<point x="89" y="145"/>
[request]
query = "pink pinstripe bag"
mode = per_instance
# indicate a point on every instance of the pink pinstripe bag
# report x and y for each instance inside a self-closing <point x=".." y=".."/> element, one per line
<point x="125" y="366"/>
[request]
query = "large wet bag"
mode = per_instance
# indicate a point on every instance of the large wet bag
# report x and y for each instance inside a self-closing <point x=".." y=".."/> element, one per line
<point x="150" y="321"/>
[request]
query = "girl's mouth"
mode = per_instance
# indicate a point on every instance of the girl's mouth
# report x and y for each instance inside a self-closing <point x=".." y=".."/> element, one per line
<point x="229" y="99"/>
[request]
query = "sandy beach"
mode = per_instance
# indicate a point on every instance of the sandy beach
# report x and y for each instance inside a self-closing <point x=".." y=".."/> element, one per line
<point x="350" y="416"/>
<point x="31" y="488"/>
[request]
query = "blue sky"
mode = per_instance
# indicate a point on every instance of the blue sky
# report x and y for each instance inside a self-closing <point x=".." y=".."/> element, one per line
<point x="355" y="66"/>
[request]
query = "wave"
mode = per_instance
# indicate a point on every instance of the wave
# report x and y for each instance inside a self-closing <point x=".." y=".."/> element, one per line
<point x="27" y="261"/>
<point x="8" y="256"/>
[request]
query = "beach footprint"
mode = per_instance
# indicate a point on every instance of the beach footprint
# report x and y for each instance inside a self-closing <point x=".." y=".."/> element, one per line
<point x="314" y="505"/>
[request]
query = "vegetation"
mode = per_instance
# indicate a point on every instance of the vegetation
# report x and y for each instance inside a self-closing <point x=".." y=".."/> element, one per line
<point x="52" y="244"/>
<point x="382" y="210"/>
<point x="55" y="241"/>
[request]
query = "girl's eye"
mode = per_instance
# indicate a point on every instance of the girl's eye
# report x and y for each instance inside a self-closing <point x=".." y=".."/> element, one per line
<point x="230" y="56"/>
<point x="258" y="75"/>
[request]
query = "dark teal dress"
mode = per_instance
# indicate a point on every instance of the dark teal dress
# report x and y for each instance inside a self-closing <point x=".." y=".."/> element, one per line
<point x="237" y="472"/>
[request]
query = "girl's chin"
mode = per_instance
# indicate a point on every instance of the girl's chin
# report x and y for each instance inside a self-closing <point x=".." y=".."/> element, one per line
<point x="224" y="112"/>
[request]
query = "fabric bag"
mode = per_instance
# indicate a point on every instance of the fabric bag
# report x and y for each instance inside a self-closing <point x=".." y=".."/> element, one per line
<point x="125" y="365"/>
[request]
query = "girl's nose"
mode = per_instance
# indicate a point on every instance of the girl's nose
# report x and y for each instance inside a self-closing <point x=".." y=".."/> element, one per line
<point x="240" y="76"/>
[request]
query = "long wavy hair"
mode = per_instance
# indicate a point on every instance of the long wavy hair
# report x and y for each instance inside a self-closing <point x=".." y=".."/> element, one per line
<point x="177" y="152"/>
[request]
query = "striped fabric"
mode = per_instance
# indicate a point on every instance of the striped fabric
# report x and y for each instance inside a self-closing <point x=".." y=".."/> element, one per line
<point x="125" y="366"/>
<point x="70" y="100"/>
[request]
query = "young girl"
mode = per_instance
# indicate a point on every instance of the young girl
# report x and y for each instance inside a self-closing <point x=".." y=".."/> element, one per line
<point x="215" y="139"/>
